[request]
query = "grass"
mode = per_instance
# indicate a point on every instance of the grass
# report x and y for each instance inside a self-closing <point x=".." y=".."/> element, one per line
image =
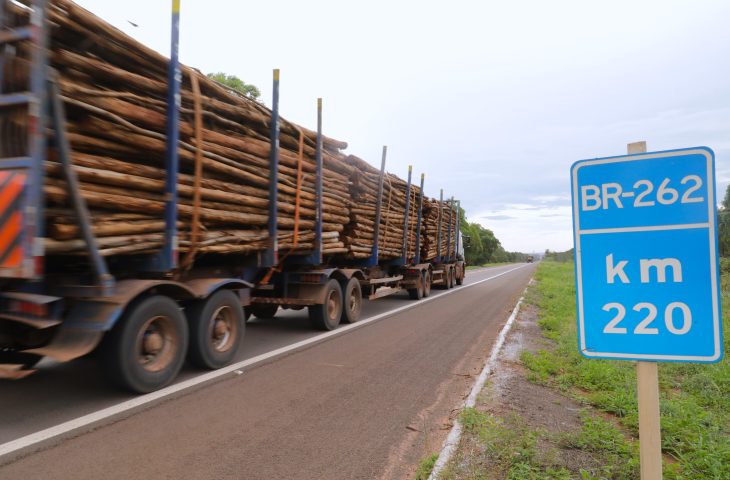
<point x="425" y="467"/>
<point x="695" y="399"/>
<point x="497" y="264"/>
<point x="695" y="408"/>
<point x="508" y="449"/>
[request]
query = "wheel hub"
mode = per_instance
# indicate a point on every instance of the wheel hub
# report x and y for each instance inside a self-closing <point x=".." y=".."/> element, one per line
<point x="153" y="343"/>
<point x="157" y="343"/>
<point x="222" y="329"/>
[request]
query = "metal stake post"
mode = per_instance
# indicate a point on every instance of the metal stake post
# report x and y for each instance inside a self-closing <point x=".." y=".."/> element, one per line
<point x="379" y="202"/>
<point x="448" y="243"/>
<point x="438" y="233"/>
<point x="272" y="251"/>
<point x="404" y="249"/>
<point x="169" y="254"/>
<point x="417" y="257"/>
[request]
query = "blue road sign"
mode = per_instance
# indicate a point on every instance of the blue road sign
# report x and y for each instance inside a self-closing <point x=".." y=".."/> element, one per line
<point x="646" y="261"/>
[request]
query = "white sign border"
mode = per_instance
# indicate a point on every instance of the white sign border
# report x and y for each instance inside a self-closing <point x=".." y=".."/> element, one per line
<point x="709" y="156"/>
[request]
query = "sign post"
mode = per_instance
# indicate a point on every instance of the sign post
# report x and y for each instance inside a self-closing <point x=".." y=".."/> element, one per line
<point x="647" y="281"/>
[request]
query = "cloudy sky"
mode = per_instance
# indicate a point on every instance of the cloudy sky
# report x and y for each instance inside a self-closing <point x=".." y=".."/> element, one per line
<point x="493" y="100"/>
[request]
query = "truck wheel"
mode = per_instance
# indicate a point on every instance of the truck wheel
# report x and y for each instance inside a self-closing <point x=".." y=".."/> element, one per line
<point x="216" y="329"/>
<point x="460" y="277"/>
<point x="327" y="316"/>
<point x="417" y="293"/>
<point x="426" y="283"/>
<point x="449" y="279"/>
<point x="263" y="311"/>
<point x="352" y="295"/>
<point x="146" y="348"/>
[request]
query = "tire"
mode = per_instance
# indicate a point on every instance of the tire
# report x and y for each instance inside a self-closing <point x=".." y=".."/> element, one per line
<point x="449" y="279"/>
<point x="460" y="277"/>
<point x="217" y="326"/>
<point x="417" y="293"/>
<point x="426" y="283"/>
<point x="146" y="348"/>
<point x="352" y="301"/>
<point x="452" y="278"/>
<point x="328" y="315"/>
<point x="264" y="311"/>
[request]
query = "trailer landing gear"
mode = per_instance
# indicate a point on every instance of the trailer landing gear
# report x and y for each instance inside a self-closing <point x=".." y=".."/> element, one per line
<point x="264" y="311"/>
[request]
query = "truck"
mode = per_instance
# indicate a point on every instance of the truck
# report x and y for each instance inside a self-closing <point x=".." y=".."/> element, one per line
<point x="145" y="314"/>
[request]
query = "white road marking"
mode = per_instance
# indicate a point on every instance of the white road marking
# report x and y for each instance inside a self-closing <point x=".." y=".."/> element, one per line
<point x="62" y="430"/>
<point x="452" y="441"/>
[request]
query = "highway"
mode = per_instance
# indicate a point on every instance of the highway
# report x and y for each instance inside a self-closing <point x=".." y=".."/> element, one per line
<point x="366" y="402"/>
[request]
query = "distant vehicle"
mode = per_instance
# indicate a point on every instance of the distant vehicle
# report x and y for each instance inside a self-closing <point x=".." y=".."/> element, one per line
<point x="530" y="259"/>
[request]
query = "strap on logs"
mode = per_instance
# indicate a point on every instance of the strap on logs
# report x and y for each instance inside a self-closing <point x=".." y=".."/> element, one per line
<point x="195" y="221"/>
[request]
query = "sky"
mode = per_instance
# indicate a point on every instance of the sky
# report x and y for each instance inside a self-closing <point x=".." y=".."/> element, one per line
<point x="492" y="100"/>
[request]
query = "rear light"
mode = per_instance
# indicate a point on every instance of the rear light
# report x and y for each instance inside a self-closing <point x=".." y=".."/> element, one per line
<point x="28" y="308"/>
<point x="310" y="278"/>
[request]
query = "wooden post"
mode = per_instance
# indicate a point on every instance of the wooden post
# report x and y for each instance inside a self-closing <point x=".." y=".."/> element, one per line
<point x="647" y="380"/>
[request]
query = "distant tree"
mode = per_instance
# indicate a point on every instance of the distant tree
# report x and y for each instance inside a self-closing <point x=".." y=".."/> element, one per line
<point x="235" y="83"/>
<point x="723" y="225"/>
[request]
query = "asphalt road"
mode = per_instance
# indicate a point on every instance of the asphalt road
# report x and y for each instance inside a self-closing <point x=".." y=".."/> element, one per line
<point x="365" y="404"/>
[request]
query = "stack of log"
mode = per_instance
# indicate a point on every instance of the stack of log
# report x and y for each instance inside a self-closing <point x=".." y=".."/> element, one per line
<point x="431" y="212"/>
<point x="114" y="92"/>
<point x="360" y="232"/>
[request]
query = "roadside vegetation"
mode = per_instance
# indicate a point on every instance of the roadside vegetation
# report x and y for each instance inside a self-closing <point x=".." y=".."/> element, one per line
<point x="695" y="399"/>
<point x="695" y="406"/>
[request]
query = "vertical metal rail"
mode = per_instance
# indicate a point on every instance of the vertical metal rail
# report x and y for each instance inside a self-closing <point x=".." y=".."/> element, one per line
<point x="458" y="229"/>
<point x="417" y="257"/>
<point x="441" y="217"/>
<point x="101" y="273"/>
<point x="169" y="253"/>
<point x="37" y="139"/>
<point x="404" y="249"/>
<point x="373" y="260"/>
<point x="318" y="157"/>
<point x="451" y="220"/>
<point x="272" y="251"/>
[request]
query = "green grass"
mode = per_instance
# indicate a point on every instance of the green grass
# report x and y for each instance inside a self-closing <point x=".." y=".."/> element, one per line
<point x="695" y="399"/>
<point x="474" y="267"/>
<point x="425" y="467"/>
<point x="508" y="450"/>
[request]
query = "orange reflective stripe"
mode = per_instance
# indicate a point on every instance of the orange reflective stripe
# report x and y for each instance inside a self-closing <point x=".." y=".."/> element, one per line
<point x="15" y="258"/>
<point x="9" y="231"/>
<point x="11" y="191"/>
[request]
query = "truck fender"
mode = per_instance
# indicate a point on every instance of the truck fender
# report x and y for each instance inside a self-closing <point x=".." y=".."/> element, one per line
<point x="204" y="287"/>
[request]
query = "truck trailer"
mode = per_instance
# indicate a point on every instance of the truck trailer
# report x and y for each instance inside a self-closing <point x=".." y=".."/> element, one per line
<point x="136" y="299"/>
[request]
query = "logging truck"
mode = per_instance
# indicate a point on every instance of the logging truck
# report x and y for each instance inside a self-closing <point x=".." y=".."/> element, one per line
<point x="130" y="294"/>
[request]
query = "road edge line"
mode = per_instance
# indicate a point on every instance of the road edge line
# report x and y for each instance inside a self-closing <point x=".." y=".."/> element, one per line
<point x="49" y="437"/>
<point x="452" y="440"/>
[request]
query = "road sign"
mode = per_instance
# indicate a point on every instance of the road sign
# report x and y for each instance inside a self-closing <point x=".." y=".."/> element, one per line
<point x="646" y="261"/>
